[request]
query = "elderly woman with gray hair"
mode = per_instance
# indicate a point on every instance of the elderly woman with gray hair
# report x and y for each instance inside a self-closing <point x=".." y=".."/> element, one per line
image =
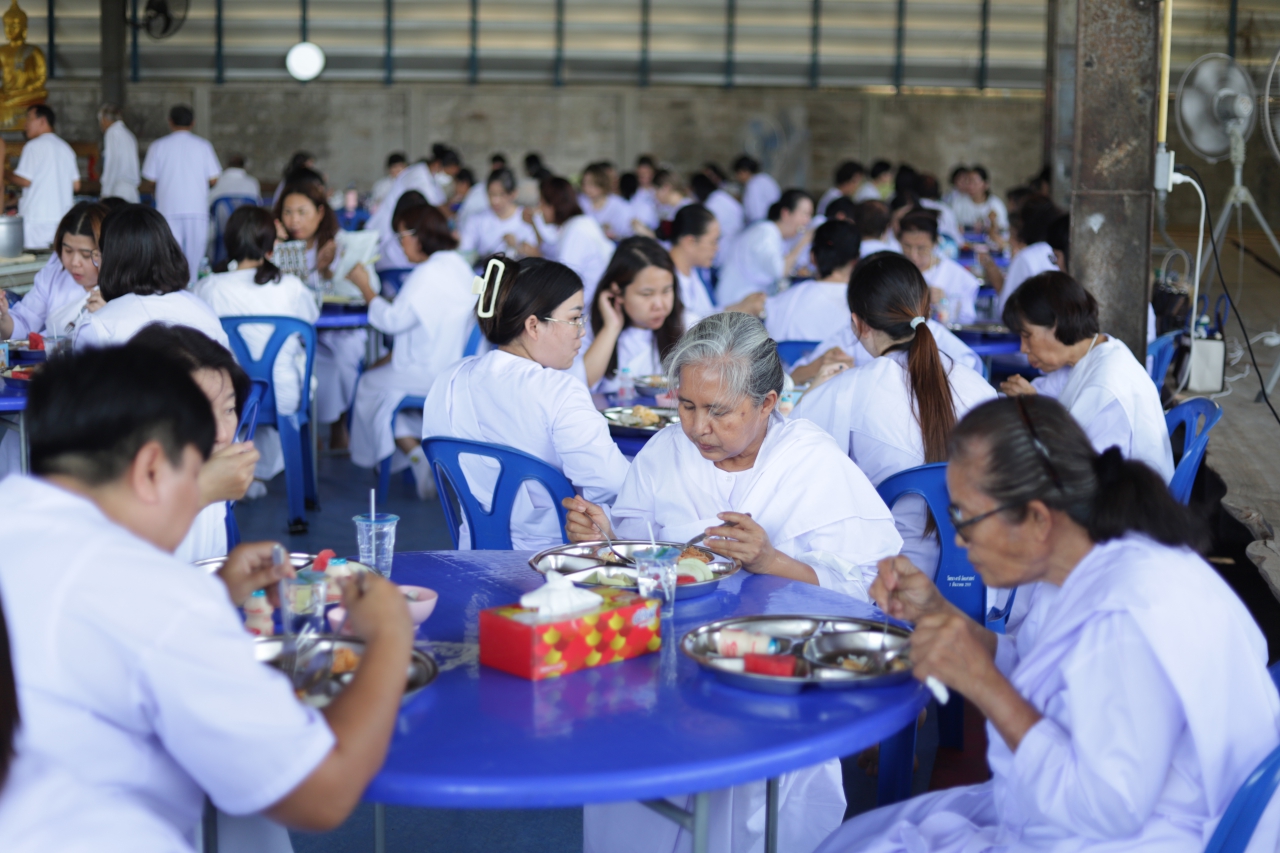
<point x="779" y="496"/>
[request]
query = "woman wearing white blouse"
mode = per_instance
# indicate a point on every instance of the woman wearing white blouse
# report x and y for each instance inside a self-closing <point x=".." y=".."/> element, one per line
<point x="946" y="278"/>
<point x="65" y="291"/>
<point x="520" y="394"/>
<point x="500" y="227"/>
<point x="1104" y="387"/>
<point x="758" y="259"/>
<point x="431" y="319"/>
<point x="695" y="239"/>
<point x="611" y="211"/>
<point x="815" y="310"/>
<point x="778" y="495"/>
<point x="568" y="235"/>
<point x="637" y="317"/>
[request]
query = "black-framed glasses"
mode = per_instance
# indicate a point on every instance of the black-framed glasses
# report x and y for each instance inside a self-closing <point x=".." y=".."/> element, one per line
<point x="960" y="523"/>
<point x="1041" y="450"/>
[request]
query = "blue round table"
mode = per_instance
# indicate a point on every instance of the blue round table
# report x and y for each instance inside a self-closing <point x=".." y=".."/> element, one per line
<point x="641" y="729"/>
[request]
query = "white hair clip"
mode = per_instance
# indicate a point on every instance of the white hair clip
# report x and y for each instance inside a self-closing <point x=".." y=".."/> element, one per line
<point x="480" y="284"/>
<point x="916" y="321"/>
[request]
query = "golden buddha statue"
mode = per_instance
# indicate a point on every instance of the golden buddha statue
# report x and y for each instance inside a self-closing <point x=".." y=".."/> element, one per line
<point x="23" y="71"/>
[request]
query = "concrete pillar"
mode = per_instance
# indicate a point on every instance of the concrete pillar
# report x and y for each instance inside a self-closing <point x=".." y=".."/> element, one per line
<point x="1112" y="200"/>
<point x="1060" y="96"/>
<point x="114" y="64"/>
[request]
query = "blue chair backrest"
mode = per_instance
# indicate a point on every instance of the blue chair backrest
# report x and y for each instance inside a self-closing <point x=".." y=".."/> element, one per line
<point x="1245" y="809"/>
<point x="261" y="368"/>
<point x="473" y="342"/>
<point x="1194" y="444"/>
<point x="1161" y="353"/>
<point x="393" y="279"/>
<point x="249" y="414"/>
<point x="956" y="578"/>
<point x="490" y="531"/>
<point x="792" y="351"/>
<point x="220" y="211"/>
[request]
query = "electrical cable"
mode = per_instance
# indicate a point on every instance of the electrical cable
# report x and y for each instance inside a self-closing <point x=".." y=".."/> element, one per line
<point x="1217" y="262"/>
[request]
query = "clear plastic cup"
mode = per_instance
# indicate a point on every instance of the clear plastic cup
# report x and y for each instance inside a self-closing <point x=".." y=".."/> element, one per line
<point x="376" y="538"/>
<point x="656" y="568"/>
<point x="302" y="602"/>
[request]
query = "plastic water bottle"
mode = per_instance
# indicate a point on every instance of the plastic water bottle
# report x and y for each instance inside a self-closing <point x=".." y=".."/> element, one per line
<point x="942" y="311"/>
<point x="626" y="385"/>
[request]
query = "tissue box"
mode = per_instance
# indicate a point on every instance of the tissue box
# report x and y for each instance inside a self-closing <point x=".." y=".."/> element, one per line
<point x="516" y="640"/>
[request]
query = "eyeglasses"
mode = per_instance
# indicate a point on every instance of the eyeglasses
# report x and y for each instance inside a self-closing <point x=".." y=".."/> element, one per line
<point x="1041" y="450"/>
<point x="959" y="522"/>
<point x="409" y="233"/>
<point x="579" y="323"/>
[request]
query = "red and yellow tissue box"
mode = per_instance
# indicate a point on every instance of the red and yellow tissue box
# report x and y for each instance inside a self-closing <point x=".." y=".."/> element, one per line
<point x="515" y="639"/>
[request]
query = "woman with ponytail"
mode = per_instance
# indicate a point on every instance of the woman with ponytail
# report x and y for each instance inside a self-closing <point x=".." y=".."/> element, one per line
<point x="896" y="412"/>
<point x="1114" y="723"/>
<point x="521" y="394"/>
<point x="252" y="285"/>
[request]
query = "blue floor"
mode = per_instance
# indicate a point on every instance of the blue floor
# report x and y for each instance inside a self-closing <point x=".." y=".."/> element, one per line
<point x="344" y="492"/>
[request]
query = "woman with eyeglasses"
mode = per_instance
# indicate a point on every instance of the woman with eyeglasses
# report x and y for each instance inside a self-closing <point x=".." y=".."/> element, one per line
<point x="897" y="410"/>
<point x="1094" y="375"/>
<point x="66" y="290"/>
<point x="520" y="394"/>
<point x="431" y="321"/>
<point x="1133" y="701"/>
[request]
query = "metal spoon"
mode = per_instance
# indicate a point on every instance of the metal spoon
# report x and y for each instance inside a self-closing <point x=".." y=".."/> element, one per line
<point x="622" y="558"/>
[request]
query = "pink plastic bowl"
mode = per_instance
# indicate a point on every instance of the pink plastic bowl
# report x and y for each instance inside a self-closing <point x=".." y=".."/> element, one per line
<point x="422" y="602"/>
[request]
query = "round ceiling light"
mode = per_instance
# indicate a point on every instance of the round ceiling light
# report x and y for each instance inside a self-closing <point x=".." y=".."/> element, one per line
<point x="305" y="61"/>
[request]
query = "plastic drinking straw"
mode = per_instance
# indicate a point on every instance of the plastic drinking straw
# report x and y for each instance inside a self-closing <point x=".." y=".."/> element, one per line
<point x="373" y="538"/>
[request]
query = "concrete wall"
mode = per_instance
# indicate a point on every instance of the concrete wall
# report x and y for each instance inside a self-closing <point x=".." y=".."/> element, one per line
<point x="801" y="133"/>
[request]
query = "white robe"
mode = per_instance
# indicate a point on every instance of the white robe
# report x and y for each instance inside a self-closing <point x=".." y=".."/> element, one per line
<point x="1145" y="735"/>
<point x="484" y="233"/>
<point x="829" y="196"/>
<point x="644" y="208"/>
<point x="817" y="507"/>
<point x="948" y="226"/>
<point x="757" y="262"/>
<point x="972" y="215"/>
<point x="758" y="196"/>
<point x="120" y="169"/>
<point x="582" y="246"/>
<point x="53" y="295"/>
<point x="339" y="352"/>
<point x="809" y="311"/>
<point x="870" y="246"/>
<point x="637" y="349"/>
<point x="50" y="165"/>
<point x="1033" y="260"/>
<point x="695" y="297"/>
<point x="501" y="398"/>
<point x="416" y="177"/>
<point x="872" y="414"/>
<point x="960" y="286"/>
<point x="1111" y="395"/>
<point x="848" y="343"/>
<point x="207" y="536"/>
<point x="475" y="202"/>
<point x="728" y="213"/>
<point x="431" y="319"/>
<point x="123" y="317"/>
<point x="614" y="216"/>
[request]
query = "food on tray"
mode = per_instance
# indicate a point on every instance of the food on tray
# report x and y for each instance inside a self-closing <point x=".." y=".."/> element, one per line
<point x="35" y="341"/>
<point x="344" y="660"/>
<point x="692" y="553"/>
<point x="605" y="579"/>
<point x="734" y="643"/>
<point x="322" y="560"/>
<point x="780" y="665"/>
<point x="653" y="380"/>
<point x="695" y="569"/>
<point x="639" y="416"/>
<point x="23" y="373"/>
<point x="867" y="664"/>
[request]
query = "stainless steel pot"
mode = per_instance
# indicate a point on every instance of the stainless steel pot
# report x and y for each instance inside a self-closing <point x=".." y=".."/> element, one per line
<point x="10" y="236"/>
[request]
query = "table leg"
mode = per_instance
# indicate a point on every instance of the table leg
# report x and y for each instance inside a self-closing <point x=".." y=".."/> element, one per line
<point x="771" y="796"/>
<point x="897" y="761"/>
<point x="379" y="828"/>
<point x="209" y="828"/>
<point x="24" y="449"/>
<point x="701" y="821"/>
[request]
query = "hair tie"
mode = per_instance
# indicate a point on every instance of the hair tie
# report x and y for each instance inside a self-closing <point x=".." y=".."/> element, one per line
<point x="480" y="284"/>
<point x="916" y="321"/>
<point x="231" y="265"/>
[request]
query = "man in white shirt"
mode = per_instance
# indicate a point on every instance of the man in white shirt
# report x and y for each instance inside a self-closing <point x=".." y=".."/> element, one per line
<point x="759" y="189"/>
<point x="849" y="178"/>
<point x="183" y="167"/>
<point x="120" y="176"/>
<point x="235" y="182"/>
<point x="138" y="684"/>
<point x="49" y="177"/>
<point x="396" y="163"/>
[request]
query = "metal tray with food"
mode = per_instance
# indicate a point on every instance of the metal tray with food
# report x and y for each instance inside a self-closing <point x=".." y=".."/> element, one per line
<point x="652" y="385"/>
<point x="344" y="654"/>
<point x="787" y="654"/>
<point x="583" y="563"/>
<point x="641" y="421"/>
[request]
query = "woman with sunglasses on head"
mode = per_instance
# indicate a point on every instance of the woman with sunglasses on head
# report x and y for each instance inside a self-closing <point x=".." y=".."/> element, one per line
<point x="1112" y="725"/>
<point x="65" y="291"/>
<point x="897" y="410"/>
<point x="521" y="394"/>
<point x="1094" y="375"/>
<point x="431" y="320"/>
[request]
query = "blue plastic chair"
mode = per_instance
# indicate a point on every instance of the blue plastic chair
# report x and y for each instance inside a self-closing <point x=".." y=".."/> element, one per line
<point x="490" y="531"/>
<point x="955" y="579"/>
<point x="294" y="429"/>
<point x="244" y="432"/>
<point x="1194" y="443"/>
<point x="1161" y="351"/>
<point x="1239" y="821"/>
<point x="393" y="279"/>
<point x="792" y="351"/>
<point x="219" y="212"/>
